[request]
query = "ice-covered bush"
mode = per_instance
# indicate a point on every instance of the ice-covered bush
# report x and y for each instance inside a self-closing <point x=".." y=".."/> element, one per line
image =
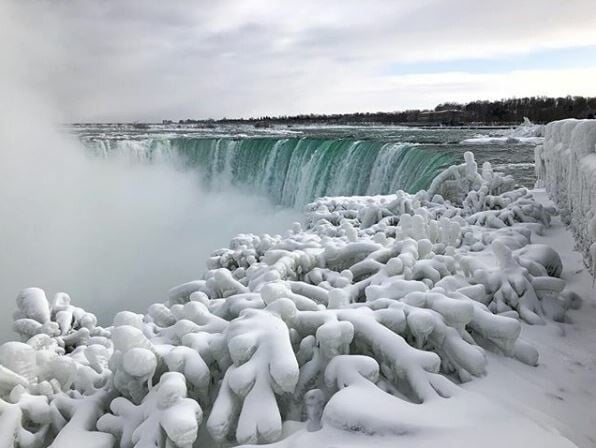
<point x="399" y="296"/>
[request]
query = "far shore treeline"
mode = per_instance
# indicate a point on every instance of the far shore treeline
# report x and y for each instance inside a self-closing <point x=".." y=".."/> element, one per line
<point x="503" y="112"/>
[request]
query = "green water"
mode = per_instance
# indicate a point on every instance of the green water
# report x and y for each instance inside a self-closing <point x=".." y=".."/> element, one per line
<point x="292" y="171"/>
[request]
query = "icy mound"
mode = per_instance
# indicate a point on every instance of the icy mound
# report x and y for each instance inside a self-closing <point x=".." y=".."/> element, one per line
<point x="525" y="133"/>
<point x="393" y="299"/>
<point x="566" y="166"/>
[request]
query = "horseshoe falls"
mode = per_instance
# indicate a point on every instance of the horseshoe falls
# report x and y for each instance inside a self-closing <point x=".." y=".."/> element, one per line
<point x="289" y="171"/>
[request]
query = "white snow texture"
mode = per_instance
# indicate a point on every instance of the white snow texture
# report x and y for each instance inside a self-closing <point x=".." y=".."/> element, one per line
<point x="525" y="133"/>
<point x="566" y="167"/>
<point x="388" y="298"/>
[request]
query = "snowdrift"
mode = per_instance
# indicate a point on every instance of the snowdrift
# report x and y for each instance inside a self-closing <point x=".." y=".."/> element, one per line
<point x="566" y="166"/>
<point x="362" y="322"/>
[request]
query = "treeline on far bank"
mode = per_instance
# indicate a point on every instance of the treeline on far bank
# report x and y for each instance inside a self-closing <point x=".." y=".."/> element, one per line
<point x="505" y="112"/>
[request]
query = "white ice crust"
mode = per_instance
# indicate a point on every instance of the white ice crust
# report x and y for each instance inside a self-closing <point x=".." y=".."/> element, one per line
<point x="566" y="167"/>
<point x="394" y="298"/>
<point x="525" y="133"/>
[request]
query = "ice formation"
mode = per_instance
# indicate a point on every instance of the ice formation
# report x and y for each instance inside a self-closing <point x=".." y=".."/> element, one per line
<point x="525" y="133"/>
<point x="395" y="297"/>
<point x="566" y="166"/>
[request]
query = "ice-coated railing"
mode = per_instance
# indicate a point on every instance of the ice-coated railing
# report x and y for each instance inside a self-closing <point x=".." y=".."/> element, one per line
<point x="566" y="167"/>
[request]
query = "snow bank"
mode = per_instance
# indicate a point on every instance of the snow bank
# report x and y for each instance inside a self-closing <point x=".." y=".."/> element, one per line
<point x="566" y="166"/>
<point x="384" y="302"/>
<point x="525" y="133"/>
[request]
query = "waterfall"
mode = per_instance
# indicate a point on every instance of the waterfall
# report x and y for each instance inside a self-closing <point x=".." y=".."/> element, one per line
<point x="290" y="171"/>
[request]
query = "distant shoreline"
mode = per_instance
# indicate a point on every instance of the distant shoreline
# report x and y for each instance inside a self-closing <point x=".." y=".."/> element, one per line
<point x="473" y="115"/>
<point x="205" y="124"/>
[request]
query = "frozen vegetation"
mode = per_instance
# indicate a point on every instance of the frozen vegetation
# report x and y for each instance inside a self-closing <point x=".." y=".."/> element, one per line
<point x="365" y="321"/>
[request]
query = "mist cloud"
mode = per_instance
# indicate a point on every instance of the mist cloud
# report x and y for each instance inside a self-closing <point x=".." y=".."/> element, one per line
<point x="113" y="235"/>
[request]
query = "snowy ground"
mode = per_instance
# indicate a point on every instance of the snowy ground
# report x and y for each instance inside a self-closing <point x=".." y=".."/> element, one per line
<point x="514" y="405"/>
<point x="561" y="391"/>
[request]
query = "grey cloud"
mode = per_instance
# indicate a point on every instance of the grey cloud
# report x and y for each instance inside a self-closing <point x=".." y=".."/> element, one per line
<point x="149" y="59"/>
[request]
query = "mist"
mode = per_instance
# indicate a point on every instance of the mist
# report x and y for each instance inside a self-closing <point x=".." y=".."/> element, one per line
<point x="112" y="234"/>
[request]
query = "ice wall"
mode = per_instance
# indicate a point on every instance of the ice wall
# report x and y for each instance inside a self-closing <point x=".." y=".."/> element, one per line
<point x="566" y="167"/>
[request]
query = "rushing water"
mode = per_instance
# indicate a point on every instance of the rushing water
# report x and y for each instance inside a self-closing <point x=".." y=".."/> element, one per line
<point x="293" y="166"/>
<point x="294" y="171"/>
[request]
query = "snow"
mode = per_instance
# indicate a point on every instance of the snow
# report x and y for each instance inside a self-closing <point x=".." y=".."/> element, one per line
<point x="526" y="133"/>
<point x="467" y="420"/>
<point x="448" y="317"/>
<point x="504" y="140"/>
<point x="560" y="391"/>
<point x="515" y="404"/>
<point x="566" y="166"/>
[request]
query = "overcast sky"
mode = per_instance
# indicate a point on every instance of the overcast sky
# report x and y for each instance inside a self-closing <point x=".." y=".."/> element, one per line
<point x="126" y="60"/>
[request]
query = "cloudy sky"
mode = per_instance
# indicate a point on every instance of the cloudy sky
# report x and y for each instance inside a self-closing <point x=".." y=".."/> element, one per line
<point x="108" y="60"/>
